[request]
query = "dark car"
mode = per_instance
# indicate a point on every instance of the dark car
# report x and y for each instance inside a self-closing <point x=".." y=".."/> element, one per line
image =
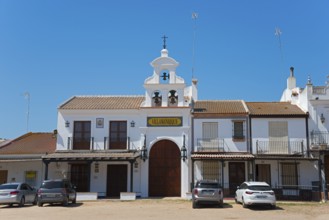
<point x="56" y="191"/>
<point x="207" y="192"/>
<point x="17" y="193"/>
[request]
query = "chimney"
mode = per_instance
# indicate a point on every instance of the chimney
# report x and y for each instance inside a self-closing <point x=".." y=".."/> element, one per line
<point x="291" y="81"/>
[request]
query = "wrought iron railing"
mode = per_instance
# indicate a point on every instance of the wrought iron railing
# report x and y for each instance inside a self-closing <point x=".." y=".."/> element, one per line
<point x="320" y="138"/>
<point x="211" y="145"/>
<point x="280" y="147"/>
<point x="74" y="143"/>
<point x="111" y="143"/>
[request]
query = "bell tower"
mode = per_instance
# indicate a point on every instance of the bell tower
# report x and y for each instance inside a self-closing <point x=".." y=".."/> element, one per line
<point x="164" y="88"/>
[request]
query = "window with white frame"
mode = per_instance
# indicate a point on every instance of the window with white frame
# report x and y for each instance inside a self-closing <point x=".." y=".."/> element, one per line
<point x="289" y="175"/>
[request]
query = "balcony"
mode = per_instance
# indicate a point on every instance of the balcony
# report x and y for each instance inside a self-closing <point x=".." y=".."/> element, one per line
<point x="117" y="143"/>
<point x="280" y="147"/>
<point x="320" y="140"/>
<point x="74" y="143"/>
<point x="211" y="145"/>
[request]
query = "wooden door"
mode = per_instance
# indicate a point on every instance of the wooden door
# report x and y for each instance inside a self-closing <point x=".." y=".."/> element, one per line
<point x="116" y="179"/>
<point x="80" y="176"/>
<point x="263" y="173"/>
<point x="236" y="175"/>
<point x="82" y="135"/>
<point x="3" y="176"/>
<point x="164" y="170"/>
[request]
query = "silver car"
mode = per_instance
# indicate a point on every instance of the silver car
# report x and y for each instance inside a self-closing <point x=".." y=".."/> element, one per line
<point x="56" y="191"/>
<point x="17" y="193"/>
<point x="207" y="192"/>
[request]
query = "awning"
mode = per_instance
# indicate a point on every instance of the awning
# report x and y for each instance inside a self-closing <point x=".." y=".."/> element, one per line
<point x="222" y="156"/>
<point x="91" y="156"/>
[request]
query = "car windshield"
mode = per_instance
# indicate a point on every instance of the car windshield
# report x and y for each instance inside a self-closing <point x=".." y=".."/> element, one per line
<point x="52" y="185"/>
<point x="208" y="185"/>
<point x="260" y="188"/>
<point x="9" y="186"/>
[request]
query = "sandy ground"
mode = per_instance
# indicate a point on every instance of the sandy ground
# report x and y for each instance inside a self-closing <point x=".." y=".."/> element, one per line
<point x="166" y="209"/>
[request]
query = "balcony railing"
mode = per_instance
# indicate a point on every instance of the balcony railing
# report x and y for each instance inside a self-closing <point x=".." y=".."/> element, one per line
<point x="211" y="145"/>
<point x="74" y="143"/>
<point x="116" y="143"/>
<point x="280" y="147"/>
<point x="320" y="139"/>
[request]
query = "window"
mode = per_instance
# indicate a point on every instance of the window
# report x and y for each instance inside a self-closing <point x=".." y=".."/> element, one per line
<point x="289" y="175"/>
<point x="278" y="137"/>
<point x="82" y="135"/>
<point x="238" y="130"/>
<point x="118" y="135"/>
<point x="210" y="170"/>
<point x="31" y="178"/>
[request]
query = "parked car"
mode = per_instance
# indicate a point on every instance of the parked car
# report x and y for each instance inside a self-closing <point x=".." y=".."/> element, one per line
<point x="17" y="193"/>
<point x="56" y="191"/>
<point x="207" y="192"/>
<point x="255" y="193"/>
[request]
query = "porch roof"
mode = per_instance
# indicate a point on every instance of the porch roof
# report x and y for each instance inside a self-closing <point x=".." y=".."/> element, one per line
<point x="284" y="157"/>
<point x="91" y="156"/>
<point x="222" y="156"/>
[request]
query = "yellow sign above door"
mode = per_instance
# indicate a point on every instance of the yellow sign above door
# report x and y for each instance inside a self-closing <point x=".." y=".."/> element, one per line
<point x="164" y="121"/>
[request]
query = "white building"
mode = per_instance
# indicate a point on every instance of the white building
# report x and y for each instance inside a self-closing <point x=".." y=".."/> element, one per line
<point x="113" y="144"/>
<point x="315" y="101"/>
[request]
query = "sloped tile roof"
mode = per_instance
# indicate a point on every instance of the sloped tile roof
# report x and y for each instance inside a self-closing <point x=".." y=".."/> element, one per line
<point x="274" y="109"/>
<point x="223" y="156"/>
<point x="220" y="107"/>
<point x="30" y="143"/>
<point x="101" y="155"/>
<point x="103" y="102"/>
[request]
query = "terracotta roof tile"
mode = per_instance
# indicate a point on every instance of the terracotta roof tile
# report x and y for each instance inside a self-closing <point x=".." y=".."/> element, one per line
<point x="274" y="109"/>
<point x="226" y="156"/>
<point x="220" y="107"/>
<point x="30" y="143"/>
<point x="103" y="102"/>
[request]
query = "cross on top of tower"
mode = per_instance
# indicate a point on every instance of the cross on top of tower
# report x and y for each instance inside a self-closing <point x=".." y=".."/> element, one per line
<point x="164" y="41"/>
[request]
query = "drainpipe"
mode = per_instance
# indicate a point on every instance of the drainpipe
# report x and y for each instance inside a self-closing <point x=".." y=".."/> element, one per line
<point x="307" y="137"/>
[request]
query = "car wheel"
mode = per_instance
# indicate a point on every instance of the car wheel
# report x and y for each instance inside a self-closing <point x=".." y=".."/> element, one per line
<point x="220" y="205"/>
<point x="244" y="204"/>
<point x="66" y="202"/>
<point x="21" y="202"/>
<point x="195" y="205"/>
<point x="40" y="204"/>
<point x="35" y="200"/>
<point x="74" y="201"/>
<point x="273" y="206"/>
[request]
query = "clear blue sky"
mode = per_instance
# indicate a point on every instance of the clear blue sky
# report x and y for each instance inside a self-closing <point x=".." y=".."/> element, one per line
<point x="58" y="49"/>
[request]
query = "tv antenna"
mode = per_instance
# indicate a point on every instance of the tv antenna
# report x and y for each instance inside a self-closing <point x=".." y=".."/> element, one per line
<point x="194" y="17"/>
<point x="278" y="33"/>
<point x="27" y="96"/>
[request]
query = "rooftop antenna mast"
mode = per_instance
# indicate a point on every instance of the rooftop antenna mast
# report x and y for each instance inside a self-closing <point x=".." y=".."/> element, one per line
<point x="27" y="96"/>
<point x="278" y="34"/>
<point x="194" y="17"/>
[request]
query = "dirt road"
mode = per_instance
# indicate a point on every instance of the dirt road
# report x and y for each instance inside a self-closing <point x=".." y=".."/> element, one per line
<point x="161" y="209"/>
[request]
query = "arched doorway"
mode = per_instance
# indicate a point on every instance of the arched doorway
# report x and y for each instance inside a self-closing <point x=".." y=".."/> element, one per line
<point x="164" y="169"/>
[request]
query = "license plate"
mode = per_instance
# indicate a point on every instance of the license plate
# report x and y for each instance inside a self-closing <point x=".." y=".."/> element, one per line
<point x="3" y="194"/>
<point x="50" y="196"/>
<point x="261" y="197"/>
<point x="207" y="192"/>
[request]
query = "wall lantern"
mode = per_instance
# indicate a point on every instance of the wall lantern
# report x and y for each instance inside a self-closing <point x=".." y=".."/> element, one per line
<point x="183" y="150"/>
<point x="132" y="124"/>
<point x="322" y="118"/>
<point x="144" y="150"/>
<point x="67" y="124"/>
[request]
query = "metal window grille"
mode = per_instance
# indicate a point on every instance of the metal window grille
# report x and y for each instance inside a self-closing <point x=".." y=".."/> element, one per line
<point x="210" y="170"/>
